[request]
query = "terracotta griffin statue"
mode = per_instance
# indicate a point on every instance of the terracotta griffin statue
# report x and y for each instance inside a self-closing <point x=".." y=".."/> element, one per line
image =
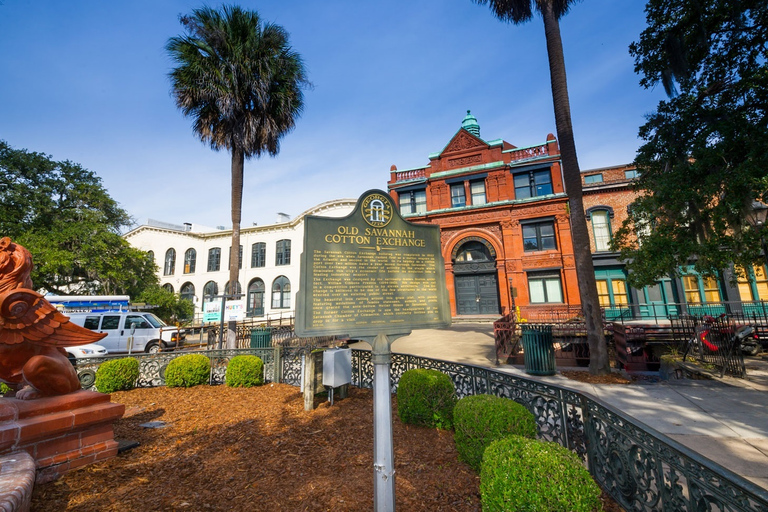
<point x="33" y="332"/>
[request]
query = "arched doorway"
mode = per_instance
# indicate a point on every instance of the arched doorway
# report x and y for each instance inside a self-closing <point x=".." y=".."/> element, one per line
<point x="475" y="277"/>
<point x="256" y="298"/>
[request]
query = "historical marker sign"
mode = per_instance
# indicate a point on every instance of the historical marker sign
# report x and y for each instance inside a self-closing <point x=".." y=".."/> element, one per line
<point x="370" y="273"/>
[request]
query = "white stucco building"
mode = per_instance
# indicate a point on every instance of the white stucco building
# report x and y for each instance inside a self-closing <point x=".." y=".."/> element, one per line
<point x="193" y="260"/>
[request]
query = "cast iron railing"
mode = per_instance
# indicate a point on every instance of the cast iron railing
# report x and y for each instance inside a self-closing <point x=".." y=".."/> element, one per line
<point x="641" y="468"/>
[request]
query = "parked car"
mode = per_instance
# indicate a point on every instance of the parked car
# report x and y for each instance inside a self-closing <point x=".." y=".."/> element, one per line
<point x="85" y="351"/>
<point x="131" y="331"/>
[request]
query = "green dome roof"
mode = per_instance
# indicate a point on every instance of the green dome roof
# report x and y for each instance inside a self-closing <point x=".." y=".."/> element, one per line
<point x="470" y="124"/>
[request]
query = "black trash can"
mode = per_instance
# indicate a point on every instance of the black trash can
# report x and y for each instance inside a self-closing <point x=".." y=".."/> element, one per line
<point x="261" y="338"/>
<point x="538" y="350"/>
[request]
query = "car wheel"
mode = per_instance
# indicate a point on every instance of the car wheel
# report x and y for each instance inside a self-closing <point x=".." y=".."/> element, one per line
<point x="153" y="348"/>
<point x="86" y="378"/>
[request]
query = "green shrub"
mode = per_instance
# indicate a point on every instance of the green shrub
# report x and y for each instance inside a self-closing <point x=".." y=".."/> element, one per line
<point x="478" y="420"/>
<point x="4" y="388"/>
<point x="245" y="372"/>
<point x="531" y="475"/>
<point x="426" y="397"/>
<point x="187" y="371"/>
<point x="117" y="375"/>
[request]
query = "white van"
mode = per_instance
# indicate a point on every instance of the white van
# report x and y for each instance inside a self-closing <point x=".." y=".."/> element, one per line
<point x="131" y="331"/>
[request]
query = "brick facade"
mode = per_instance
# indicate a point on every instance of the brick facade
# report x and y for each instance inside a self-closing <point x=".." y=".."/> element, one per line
<point x="508" y="204"/>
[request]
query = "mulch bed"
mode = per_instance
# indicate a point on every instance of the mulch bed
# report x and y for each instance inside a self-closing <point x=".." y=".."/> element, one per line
<point x="257" y="449"/>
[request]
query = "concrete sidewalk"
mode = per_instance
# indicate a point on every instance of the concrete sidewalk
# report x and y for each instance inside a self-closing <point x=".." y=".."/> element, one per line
<point x="725" y="420"/>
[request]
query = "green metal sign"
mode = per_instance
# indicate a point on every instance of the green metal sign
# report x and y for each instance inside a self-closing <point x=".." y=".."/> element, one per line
<point x="370" y="273"/>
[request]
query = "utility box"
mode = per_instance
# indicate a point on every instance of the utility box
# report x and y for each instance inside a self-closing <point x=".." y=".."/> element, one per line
<point x="337" y="367"/>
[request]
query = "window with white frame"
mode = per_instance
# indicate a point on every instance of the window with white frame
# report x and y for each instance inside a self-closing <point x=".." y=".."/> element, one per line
<point x="190" y="260"/>
<point x="258" y="254"/>
<point x="545" y="287"/>
<point x="601" y="230"/>
<point x="281" y="293"/>
<point x="413" y="201"/>
<point x="477" y="192"/>
<point x="283" y="254"/>
<point x="458" y="196"/>
<point x="214" y="259"/>
<point x="170" y="262"/>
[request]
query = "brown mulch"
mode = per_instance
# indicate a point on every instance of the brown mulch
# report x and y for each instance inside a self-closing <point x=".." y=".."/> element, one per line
<point x="257" y="449"/>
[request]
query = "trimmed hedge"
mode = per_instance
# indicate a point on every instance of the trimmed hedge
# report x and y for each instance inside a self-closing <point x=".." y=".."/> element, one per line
<point x="244" y="372"/>
<point x="481" y="419"/>
<point x="426" y="397"/>
<point x="117" y="375"/>
<point x="187" y="371"/>
<point x="531" y="475"/>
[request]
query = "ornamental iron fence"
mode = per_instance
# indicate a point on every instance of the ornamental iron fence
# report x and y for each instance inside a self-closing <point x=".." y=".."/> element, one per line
<point x="639" y="467"/>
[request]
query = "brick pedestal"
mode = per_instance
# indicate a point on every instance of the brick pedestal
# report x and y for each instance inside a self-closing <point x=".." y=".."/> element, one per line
<point x="60" y="433"/>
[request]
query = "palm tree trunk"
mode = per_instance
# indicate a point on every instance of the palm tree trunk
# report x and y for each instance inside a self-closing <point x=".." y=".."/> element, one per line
<point x="585" y="272"/>
<point x="238" y="160"/>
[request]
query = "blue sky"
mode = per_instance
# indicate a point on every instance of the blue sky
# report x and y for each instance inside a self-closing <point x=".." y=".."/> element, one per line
<point x="86" y="80"/>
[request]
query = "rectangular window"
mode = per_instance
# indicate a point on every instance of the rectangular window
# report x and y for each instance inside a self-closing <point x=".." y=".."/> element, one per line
<point x="539" y="236"/>
<point x="593" y="178"/>
<point x="458" y="198"/>
<point x="631" y="174"/>
<point x="110" y="323"/>
<point x="283" y="254"/>
<point x="691" y="287"/>
<point x="239" y="261"/>
<point x="620" y="292"/>
<point x="414" y="201"/>
<point x="477" y="192"/>
<point x="545" y="288"/>
<point x="92" y="322"/>
<point x="214" y="259"/>
<point x="754" y="286"/>
<point x="603" y="296"/>
<point x="601" y="229"/>
<point x="258" y="255"/>
<point x="532" y="184"/>
<point x="711" y="289"/>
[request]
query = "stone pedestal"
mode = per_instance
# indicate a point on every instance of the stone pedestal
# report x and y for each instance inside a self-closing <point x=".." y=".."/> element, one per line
<point x="60" y="433"/>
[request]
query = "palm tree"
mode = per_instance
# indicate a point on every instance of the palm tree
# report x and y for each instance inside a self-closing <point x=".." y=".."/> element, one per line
<point x="517" y="12"/>
<point x="241" y="82"/>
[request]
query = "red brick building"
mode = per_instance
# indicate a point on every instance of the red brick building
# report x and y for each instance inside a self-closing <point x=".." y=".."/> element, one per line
<point x="505" y="231"/>
<point x="502" y="212"/>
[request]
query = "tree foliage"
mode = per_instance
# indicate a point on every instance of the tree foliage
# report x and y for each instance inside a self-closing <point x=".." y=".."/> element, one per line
<point x="704" y="160"/>
<point x="64" y="216"/>
<point x="241" y="82"/>
<point x="168" y="305"/>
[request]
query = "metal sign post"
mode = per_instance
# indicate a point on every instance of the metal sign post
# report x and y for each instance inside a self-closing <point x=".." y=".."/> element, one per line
<point x="383" y="444"/>
<point x="374" y="276"/>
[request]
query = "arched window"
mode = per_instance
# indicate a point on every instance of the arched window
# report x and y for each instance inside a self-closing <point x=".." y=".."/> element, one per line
<point x="170" y="262"/>
<point x="168" y="286"/>
<point x="214" y="259"/>
<point x="151" y="255"/>
<point x="238" y="289"/>
<point x="256" y="298"/>
<point x="188" y="292"/>
<point x="473" y="251"/>
<point x="281" y="293"/>
<point x="283" y="254"/>
<point x="601" y="226"/>
<point x="258" y="255"/>
<point x="190" y="259"/>
<point x="210" y="289"/>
